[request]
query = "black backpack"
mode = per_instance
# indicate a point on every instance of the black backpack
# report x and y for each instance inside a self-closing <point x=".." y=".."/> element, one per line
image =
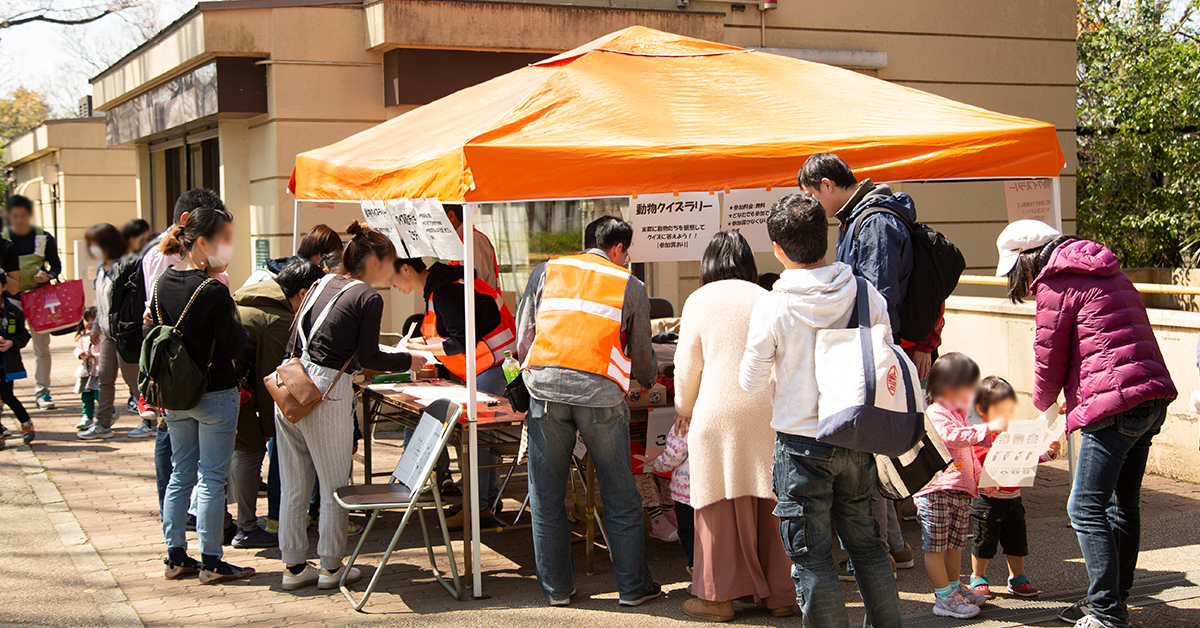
<point x="937" y="265"/>
<point x="126" y="305"/>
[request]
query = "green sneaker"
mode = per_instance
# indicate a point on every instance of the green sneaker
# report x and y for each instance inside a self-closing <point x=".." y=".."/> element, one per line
<point x="83" y="424"/>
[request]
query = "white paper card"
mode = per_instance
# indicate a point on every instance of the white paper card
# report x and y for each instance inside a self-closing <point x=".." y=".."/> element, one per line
<point x="428" y="394"/>
<point x="409" y="228"/>
<point x="747" y="211"/>
<point x="670" y="228"/>
<point x="1031" y="199"/>
<point x="658" y="423"/>
<point x="1013" y="458"/>
<point x="421" y="447"/>
<point x="437" y="229"/>
<point x="379" y="218"/>
<point x="580" y="450"/>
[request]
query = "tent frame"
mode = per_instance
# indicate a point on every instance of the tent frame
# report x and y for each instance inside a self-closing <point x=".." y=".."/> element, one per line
<point x="468" y="219"/>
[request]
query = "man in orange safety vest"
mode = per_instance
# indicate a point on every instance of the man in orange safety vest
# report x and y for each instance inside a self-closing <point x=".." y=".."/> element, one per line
<point x="584" y="331"/>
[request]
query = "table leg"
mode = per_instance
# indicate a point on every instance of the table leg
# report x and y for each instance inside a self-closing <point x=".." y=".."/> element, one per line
<point x="464" y="471"/>
<point x="368" y="416"/>
<point x="590" y="509"/>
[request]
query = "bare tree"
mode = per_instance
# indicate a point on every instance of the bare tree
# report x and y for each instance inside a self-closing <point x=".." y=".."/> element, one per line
<point x="46" y="11"/>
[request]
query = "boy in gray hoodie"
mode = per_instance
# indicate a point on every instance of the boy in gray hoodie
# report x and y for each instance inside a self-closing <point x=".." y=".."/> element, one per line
<point x="820" y="487"/>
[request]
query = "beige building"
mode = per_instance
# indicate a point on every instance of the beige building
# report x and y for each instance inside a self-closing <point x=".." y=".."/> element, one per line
<point x="227" y="95"/>
<point x="74" y="181"/>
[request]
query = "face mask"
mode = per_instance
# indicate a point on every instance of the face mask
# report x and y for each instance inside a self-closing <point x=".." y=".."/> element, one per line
<point x="222" y="257"/>
<point x="97" y="254"/>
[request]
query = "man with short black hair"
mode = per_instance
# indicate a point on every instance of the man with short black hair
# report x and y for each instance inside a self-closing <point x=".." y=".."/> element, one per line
<point x="487" y="265"/>
<point x="267" y="309"/>
<point x="583" y="329"/>
<point x="878" y="247"/>
<point x="37" y="255"/>
<point x="821" y="488"/>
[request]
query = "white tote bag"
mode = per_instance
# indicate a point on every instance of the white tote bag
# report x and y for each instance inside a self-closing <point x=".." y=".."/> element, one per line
<point x="870" y="396"/>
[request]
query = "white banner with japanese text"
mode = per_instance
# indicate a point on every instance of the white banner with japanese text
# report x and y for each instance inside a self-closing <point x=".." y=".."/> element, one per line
<point x="673" y="228"/>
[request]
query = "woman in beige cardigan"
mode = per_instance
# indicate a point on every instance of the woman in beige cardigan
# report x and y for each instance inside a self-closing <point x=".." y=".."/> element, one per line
<point x="738" y="550"/>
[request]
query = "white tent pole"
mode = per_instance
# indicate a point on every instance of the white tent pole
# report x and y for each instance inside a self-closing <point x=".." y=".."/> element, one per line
<point x="295" y="226"/>
<point x="473" y="442"/>
<point x="1056" y="213"/>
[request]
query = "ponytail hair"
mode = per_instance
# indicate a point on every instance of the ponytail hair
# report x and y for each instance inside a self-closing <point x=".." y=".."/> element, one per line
<point x="364" y="243"/>
<point x="202" y="222"/>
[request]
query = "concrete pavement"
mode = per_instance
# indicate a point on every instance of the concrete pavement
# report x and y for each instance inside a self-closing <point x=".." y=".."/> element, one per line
<point x="80" y="545"/>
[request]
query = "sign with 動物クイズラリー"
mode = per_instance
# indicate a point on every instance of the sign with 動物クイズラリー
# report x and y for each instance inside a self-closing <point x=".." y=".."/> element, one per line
<point x="747" y="212"/>
<point x="1030" y="199"/>
<point x="672" y="227"/>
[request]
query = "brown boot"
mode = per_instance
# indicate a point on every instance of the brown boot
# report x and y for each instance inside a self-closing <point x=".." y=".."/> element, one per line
<point x="783" y="611"/>
<point x="456" y="520"/>
<point x="712" y="611"/>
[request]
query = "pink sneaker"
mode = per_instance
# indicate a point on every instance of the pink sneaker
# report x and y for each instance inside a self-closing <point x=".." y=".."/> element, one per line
<point x="669" y="513"/>
<point x="1022" y="589"/>
<point x="661" y="529"/>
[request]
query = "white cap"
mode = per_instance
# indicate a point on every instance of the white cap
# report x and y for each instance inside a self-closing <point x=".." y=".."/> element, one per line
<point x="1018" y="237"/>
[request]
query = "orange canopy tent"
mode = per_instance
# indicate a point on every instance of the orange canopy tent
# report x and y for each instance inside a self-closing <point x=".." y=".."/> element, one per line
<point x="643" y="111"/>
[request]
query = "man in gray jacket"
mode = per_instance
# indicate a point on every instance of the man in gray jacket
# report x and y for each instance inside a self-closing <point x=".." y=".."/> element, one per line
<point x="583" y="329"/>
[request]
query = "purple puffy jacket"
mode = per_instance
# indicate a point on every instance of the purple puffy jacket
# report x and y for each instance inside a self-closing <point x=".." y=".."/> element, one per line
<point x="1093" y="337"/>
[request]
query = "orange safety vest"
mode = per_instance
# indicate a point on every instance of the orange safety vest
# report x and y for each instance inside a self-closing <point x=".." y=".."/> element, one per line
<point x="579" y="318"/>
<point x="490" y="350"/>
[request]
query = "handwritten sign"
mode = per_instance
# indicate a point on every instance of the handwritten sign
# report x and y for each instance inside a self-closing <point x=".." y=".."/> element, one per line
<point x="1014" y="455"/>
<point x="747" y="211"/>
<point x="669" y="228"/>
<point x="1031" y="199"/>
<point x="436" y="227"/>
<point x="378" y="216"/>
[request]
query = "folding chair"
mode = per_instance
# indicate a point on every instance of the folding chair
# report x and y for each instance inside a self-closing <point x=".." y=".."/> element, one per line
<point x="415" y="469"/>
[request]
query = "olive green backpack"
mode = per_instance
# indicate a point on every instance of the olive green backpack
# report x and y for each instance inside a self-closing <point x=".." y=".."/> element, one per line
<point x="168" y="377"/>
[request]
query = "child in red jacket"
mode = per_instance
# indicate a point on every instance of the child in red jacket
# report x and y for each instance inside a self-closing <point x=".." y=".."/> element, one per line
<point x="997" y="515"/>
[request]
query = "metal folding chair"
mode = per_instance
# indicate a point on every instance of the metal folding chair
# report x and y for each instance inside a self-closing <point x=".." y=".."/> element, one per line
<point x="396" y="495"/>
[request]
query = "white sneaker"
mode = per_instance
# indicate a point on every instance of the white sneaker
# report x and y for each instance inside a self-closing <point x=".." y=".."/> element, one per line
<point x="564" y="601"/>
<point x="954" y="606"/>
<point x="144" y="430"/>
<point x="95" y="432"/>
<point x="971" y="596"/>
<point x="309" y="576"/>
<point x="329" y="580"/>
<point x="1090" y="621"/>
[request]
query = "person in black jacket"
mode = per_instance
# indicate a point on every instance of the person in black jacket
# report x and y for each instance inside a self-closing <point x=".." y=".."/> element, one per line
<point x="201" y="438"/>
<point x="13" y="337"/>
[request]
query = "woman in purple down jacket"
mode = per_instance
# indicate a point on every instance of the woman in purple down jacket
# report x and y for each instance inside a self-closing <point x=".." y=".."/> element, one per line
<point x="1093" y="343"/>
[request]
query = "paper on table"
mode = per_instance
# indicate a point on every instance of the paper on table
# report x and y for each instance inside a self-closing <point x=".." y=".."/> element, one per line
<point x="429" y="394"/>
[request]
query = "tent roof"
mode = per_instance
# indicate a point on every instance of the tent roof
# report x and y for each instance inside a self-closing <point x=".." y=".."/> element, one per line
<point x="643" y="111"/>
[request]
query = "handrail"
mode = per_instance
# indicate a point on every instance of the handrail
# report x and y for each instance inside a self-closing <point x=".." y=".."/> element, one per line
<point x="1148" y="288"/>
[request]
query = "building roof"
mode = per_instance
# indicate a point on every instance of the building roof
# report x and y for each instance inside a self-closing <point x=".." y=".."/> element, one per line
<point x="217" y="5"/>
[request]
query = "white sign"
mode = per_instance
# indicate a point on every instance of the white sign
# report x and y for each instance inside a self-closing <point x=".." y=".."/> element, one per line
<point x="670" y="228"/>
<point x="747" y="211"/>
<point x="379" y="217"/>
<point x="418" y="452"/>
<point x="1013" y="458"/>
<point x="580" y="450"/>
<point x="1031" y="199"/>
<point x="409" y="227"/>
<point x="658" y="424"/>
<point x="437" y="228"/>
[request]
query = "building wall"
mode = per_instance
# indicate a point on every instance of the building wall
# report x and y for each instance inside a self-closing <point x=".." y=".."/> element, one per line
<point x="1009" y="57"/>
<point x="94" y="184"/>
<point x="999" y="336"/>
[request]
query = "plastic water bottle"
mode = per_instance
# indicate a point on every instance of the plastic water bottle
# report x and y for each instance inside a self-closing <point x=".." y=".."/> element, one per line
<point x="511" y="368"/>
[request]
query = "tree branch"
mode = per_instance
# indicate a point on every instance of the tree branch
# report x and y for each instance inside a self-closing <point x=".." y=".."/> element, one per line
<point x="51" y="16"/>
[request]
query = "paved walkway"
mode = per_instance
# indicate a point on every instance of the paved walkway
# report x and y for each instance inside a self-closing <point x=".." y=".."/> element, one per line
<point x="82" y="546"/>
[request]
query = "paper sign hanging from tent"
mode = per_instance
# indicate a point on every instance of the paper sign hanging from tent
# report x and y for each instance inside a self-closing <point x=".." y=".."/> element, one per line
<point x="1014" y="456"/>
<point x="747" y="211"/>
<point x="379" y="218"/>
<point x="437" y="228"/>
<point x="670" y="228"/>
<point x="409" y="227"/>
<point x="1030" y="199"/>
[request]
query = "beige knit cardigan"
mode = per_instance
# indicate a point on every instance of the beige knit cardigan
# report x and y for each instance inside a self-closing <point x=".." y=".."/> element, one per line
<point x="730" y="441"/>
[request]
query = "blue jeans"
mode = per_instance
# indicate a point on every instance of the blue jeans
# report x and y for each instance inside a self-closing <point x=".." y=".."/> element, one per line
<point x="162" y="465"/>
<point x="822" y="488"/>
<point x="1105" y="509"/>
<point x="605" y="431"/>
<point x="201" y="442"/>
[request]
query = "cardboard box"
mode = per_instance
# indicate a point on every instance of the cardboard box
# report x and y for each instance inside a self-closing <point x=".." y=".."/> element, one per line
<point x="639" y="397"/>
